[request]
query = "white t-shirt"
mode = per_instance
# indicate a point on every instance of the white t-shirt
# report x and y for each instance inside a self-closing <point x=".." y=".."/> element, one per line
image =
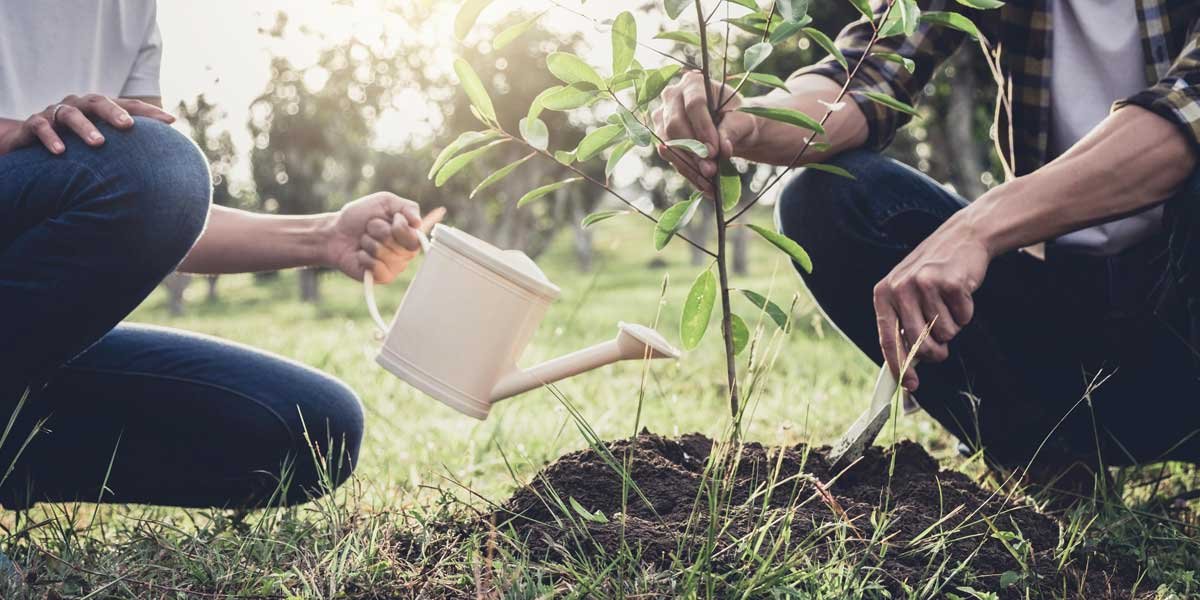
<point x="1096" y="60"/>
<point x="50" y="49"/>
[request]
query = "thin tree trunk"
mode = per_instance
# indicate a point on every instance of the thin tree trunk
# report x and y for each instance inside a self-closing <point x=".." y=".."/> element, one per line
<point x="176" y="283"/>
<point x="309" y="285"/>
<point x="959" y="124"/>
<point x="212" y="288"/>
<point x="699" y="232"/>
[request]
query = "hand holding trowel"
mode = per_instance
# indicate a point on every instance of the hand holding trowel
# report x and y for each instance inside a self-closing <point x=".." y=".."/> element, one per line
<point x="866" y="427"/>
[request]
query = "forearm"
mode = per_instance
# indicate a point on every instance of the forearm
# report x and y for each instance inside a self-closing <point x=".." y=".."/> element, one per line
<point x="778" y="143"/>
<point x="236" y="241"/>
<point x="1132" y="161"/>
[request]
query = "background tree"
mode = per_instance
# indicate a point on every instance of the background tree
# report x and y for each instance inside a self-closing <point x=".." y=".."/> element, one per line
<point x="201" y="118"/>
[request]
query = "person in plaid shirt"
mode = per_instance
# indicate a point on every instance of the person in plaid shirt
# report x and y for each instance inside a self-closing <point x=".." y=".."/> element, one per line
<point x="1047" y="362"/>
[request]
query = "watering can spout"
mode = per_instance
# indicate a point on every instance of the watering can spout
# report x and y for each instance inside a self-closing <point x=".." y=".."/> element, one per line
<point x="632" y="342"/>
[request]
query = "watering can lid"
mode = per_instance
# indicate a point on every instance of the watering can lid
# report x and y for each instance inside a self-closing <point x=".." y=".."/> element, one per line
<point x="512" y="265"/>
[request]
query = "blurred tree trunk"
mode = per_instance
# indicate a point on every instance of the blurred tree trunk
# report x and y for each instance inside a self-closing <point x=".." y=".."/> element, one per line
<point x="310" y="285"/>
<point x="176" y="283"/>
<point x="699" y="230"/>
<point x="584" y="251"/>
<point x="739" y="249"/>
<point x="212" y="289"/>
<point x="970" y="160"/>
<point x="266" y="277"/>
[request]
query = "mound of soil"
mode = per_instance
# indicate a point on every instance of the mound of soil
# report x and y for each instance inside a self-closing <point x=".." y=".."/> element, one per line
<point x="938" y="520"/>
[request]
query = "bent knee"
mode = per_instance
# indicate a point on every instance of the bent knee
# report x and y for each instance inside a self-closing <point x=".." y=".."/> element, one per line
<point x="330" y="435"/>
<point x="161" y="187"/>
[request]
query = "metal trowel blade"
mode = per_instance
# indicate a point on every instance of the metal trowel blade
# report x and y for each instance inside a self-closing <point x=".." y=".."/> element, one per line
<point x="866" y="427"/>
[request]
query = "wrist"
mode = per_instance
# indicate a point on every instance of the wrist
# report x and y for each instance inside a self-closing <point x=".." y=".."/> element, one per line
<point x="985" y="221"/>
<point x="319" y="234"/>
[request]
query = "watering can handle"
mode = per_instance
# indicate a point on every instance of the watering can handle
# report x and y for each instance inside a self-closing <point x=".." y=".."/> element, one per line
<point x="369" y="289"/>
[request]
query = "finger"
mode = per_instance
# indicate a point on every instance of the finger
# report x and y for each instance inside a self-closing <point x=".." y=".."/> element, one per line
<point x="106" y="109"/>
<point x="405" y="234"/>
<point x="72" y="118"/>
<point x="961" y="306"/>
<point x="938" y="316"/>
<point x="411" y="210"/>
<point x="912" y="332"/>
<point x="734" y="129"/>
<point x="889" y="335"/>
<point x="145" y="109"/>
<point x="695" y="104"/>
<point x="40" y="127"/>
<point x="370" y="244"/>
<point x="380" y="229"/>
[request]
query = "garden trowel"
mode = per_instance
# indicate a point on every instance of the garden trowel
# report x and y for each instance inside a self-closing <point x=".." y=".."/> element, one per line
<point x="863" y="431"/>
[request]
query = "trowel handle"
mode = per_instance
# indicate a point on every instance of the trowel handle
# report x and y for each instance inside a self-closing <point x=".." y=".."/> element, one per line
<point x="369" y="289"/>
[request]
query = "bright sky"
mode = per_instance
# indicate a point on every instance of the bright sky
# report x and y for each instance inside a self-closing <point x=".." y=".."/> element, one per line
<point x="215" y="47"/>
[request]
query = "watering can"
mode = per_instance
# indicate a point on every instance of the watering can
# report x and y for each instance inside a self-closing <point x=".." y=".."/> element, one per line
<point x="467" y="317"/>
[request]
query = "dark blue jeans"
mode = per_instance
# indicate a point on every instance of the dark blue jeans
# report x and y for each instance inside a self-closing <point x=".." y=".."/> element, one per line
<point x="130" y="413"/>
<point x="1119" y="330"/>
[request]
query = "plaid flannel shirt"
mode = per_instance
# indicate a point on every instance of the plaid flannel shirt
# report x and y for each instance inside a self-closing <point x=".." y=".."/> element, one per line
<point x="1021" y="30"/>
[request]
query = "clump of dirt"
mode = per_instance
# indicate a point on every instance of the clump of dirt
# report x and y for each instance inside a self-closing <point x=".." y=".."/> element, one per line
<point x="937" y="523"/>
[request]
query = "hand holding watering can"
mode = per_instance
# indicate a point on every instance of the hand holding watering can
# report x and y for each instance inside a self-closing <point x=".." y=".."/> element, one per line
<point x="466" y="319"/>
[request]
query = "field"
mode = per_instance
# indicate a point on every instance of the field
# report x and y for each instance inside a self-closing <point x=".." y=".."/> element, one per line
<point x="399" y="528"/>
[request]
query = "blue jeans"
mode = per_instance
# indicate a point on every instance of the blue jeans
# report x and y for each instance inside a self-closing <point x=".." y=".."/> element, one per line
<point x="1044" y="332"/>
<point x="130" y="413"/>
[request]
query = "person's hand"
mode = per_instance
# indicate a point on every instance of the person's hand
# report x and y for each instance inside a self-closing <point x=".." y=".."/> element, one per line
<point x="930" y="289"/>
<point x="75" y="114"/>
<point x="684" y="115"/>
<point x="378" y="233"/>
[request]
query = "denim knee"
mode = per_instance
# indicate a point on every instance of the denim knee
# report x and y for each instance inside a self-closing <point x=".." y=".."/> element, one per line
<point x="330" y="432"/>
<point x="158" y="189"/>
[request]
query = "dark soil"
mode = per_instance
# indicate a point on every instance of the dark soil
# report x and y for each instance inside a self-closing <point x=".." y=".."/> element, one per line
<point x="673" y="528"/>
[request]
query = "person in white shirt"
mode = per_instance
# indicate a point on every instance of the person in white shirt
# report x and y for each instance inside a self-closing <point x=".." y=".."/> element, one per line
<point x="99" y="200"/>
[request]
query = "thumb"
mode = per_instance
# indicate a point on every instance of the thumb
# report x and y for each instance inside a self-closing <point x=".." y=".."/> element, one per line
<point x="735" y="132"/>
<point x="432" y="218"/>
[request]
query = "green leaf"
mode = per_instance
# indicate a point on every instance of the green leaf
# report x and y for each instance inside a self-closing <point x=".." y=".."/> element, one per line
<point x="571" y="69"/>
<point x="780" y="33"/>
<point x="500" y="173"/>
<point x="953" y="21"/>
<point x="777" y="315"/>
<point x="637" y="132"/>
<point x="467" y="14"/>
<point x="731" y="185"/>
<point x="462" y="142"/>
<point x="457" y="163"/>
<point x="792" y="10"/>
<point x="982" y="4"/>
<point x="755" y="55"/>
<point x="568" y="97"/>
<point x="615" y="157"/>
<point x="765" y="79"/>
<point x="836" y="170"/>
<point x="785" y="115"/>
<point x="741" y="333"/>
<point x="596" y="141"/>
<point x="565" y="157"/>
<point x="656" y="82"/>
<point x="823" y="41"/>
<point x="673" y="219"/>
<point x="474" y="89"/>
<point x="864" y="7"/>
<point x="694" y="146"/>
<point x="683" y="37"/>
<point x="792" y="249"/>
<point x="535" y="132"/>
<point x="910" y="15"/>
<point x="890" y="102"/>
<point x="536" y="193"/>
<point x="908" y="63"/>
<point x="750" y="4"/>
<point x="624" y="42"/>
<point x="1009" y="578"/>
<point x="513" y="32"/>
<point x="594" y="517"/>
<point x="629" y="78"/>
<point x="675" y="7"/>
<point x="697" y="309"/>
<point x="603" y="215"/>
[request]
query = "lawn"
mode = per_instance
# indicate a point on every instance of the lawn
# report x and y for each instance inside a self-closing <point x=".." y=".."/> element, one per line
<point x="396" y="530"/>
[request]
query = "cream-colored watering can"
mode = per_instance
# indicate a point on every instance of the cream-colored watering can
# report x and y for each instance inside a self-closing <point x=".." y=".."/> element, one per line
<point x="468" y="315"/>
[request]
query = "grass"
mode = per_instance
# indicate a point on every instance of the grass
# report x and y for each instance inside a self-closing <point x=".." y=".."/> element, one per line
<point x="385" y="533"/>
